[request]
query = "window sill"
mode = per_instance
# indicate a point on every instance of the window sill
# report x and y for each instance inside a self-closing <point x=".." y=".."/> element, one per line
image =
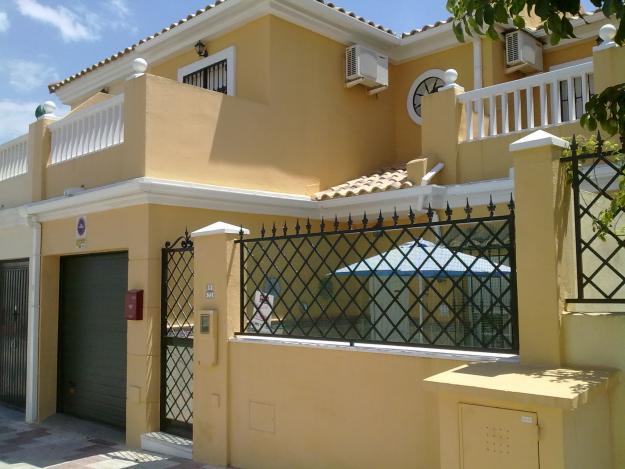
<point x="421" y="352"/>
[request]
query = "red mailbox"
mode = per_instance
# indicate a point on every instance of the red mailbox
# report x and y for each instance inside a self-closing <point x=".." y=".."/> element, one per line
<point x="133" y="305"/>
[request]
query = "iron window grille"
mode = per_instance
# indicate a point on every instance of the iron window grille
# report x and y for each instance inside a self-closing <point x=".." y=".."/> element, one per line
<point x="446" y="284"/>
<point x="214" y="77"/>
<point x="600" y="254"/>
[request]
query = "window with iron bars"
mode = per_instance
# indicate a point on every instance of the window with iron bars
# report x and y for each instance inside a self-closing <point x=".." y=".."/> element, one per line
<point x="446" y="284"/>
<point x="214" y="77"/>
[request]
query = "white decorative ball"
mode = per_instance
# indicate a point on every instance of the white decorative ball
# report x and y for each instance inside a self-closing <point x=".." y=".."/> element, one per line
<point x="49" y="107"/>
<point x="139" y="65"/>
<point x="450" y="76"/>
<point x="607" y="32"/>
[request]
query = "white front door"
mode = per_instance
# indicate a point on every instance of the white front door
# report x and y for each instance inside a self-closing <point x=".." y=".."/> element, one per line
<point x="389" y="310"/>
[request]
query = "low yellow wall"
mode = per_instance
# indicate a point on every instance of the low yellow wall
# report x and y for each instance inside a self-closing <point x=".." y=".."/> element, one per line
<point x="596" y="340"/>
<point x="15" y="242"/>
<point x="332" y="408"/>
<point x="16" y="191"/>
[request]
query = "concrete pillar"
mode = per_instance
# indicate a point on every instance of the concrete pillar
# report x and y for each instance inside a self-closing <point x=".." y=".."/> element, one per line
<point x="442" y="123"/>
<point x="217" y="306"/>
<point x="608" y="66"/>
<point x="39" y="145"/>
<point x="541" y="277"/>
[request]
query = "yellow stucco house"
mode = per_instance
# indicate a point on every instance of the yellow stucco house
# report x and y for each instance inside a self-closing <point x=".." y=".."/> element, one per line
<point x="328" y="339"/>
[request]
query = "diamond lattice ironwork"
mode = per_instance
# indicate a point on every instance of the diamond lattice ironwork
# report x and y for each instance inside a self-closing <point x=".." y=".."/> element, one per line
<point x="600" y="248"/>
<point x="177" y="337"/>
<point x="444" y="283"/>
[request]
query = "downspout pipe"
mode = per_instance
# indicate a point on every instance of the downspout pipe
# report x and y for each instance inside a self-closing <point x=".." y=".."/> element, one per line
<point x="32" y="354"/>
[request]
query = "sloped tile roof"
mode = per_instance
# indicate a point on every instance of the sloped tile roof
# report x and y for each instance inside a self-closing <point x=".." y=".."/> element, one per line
<point x="381" y="181"/>
<point x="55" y="86"/>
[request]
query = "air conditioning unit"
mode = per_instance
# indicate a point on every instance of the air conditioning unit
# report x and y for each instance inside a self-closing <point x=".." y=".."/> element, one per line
<point x="523" y="53"/>
<point x="366" y="67"/>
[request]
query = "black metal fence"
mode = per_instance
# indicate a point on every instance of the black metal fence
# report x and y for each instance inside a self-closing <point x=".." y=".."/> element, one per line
<point x="214" y="77"/>
<point x="177" y="337"/>
<point x="447" y="284"/>
<point x="600" y="245"/>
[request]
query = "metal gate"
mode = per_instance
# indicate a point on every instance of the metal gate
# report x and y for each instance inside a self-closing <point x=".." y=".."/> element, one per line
<point x="13" y="332"/>
<point x="177" y="337"/>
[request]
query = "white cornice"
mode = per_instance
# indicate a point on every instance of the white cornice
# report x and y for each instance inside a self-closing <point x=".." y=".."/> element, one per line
<point x="143" y="191"/>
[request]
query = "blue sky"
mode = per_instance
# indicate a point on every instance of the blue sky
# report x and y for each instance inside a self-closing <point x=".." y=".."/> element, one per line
<point x="44" y="40"/>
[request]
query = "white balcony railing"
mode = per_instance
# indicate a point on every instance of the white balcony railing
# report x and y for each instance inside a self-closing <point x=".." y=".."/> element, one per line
<point x="14" y="158"/>
<point x="537" y="101"/>
<point x="83" y="132"/>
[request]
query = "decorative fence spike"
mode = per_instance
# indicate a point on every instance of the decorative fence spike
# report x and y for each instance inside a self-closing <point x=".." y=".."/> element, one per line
<point x="468" y="209"/>
<point x="297" y="227"/>
<point x="574" y="146"/>
<point x="336" y="223"/>
<point x="411" y="215"/>
<point x="395" y="217"/>
<point x="241" y="232"/>
<point x="262" y="231"/>
<point x="380" y="219"/>
<point x="273" y="230"/>
<point x="308" y="226"/>
<point x="365" y="220"/>
<point x="285" y="228"/>
<point x="430" y="213"/>
<point x="511" y="204"/>
<point x="350" y="222"/>
<point x="491" y="207"/>
<point x="322" y="225"/>
<point x="449" y="212"/>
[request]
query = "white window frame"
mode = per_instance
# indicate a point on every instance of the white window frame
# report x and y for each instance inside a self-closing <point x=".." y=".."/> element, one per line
<point x="228" y="54"/>
<point x="434" y="72"/>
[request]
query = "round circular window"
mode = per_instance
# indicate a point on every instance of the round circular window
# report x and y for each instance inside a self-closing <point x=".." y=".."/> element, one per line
<point x="427" y="83"/>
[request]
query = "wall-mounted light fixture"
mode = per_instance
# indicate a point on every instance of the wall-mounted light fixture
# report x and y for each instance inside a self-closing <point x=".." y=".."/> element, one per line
<point x="200" y="48"/>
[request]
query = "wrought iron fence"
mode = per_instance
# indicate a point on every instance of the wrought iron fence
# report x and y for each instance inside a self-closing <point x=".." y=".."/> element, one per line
<point x="600" y="246"/>
<point x="214" y="77"/>
<point x="447" y="284"/>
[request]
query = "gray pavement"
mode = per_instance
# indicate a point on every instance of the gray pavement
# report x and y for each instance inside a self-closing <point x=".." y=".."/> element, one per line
<point x="66" y="442"/>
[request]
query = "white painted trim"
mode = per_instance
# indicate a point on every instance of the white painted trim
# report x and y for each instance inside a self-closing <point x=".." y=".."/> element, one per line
<point x="219" y="228"/>
<point x="228" y="54"/>
<point x="434" y="72"/>
<point x="32" y="347"/>
<point x="477" y="62"/>
<point x="538" y="139"/>
<point x="572" y="63"/>
<point x="182" y="194"/>
<point x="417" y="352"/>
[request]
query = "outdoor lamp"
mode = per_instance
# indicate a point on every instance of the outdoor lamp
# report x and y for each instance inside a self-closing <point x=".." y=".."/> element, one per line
<point x="200" y="48"/>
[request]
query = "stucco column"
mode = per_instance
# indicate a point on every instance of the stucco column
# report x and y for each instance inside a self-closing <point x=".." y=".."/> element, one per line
<point x="442" y="123"/>
<point x="538" y="181"/>
<point x="39" y="145"/>
<point x="216" y="305"/>
<point x="608" y="60"/>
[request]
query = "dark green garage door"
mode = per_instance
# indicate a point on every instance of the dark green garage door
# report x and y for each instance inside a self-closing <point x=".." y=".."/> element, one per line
<point x="92" y="337"/>
<point x="13" y="332"/>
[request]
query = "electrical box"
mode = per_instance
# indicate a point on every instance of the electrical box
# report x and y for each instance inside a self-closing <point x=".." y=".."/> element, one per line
<point x="133" y="305"/>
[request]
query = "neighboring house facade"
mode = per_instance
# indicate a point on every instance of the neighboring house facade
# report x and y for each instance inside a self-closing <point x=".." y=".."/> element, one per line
<point x="243" y="113"/>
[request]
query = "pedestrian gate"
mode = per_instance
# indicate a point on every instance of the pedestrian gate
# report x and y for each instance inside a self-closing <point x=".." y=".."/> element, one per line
<point x="13" y="332"/>
<point x="177" y="337"/>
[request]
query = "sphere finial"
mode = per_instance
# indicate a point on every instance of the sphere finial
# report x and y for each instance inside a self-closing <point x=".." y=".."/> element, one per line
<point x="607" y="32"/>
<point x="450" y="76"/>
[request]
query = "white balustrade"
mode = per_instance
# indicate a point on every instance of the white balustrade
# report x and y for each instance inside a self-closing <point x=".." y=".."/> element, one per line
<point x="538" y="101"/>
<point x="83" y="132"/>
<point x="14" y="158"/>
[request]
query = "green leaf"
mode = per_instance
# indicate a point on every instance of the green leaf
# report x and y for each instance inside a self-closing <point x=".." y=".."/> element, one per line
<point x="457" y="28"/>
<point x="519" y="22"/>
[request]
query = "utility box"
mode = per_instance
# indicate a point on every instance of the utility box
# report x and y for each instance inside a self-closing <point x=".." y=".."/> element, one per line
<point x="494" y="437"/>
<point x="133" y="305"/>
<point x="507" y="416"/>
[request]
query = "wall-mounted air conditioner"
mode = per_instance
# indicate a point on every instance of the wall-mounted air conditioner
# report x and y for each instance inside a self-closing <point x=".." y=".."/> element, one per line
<point x="366" y="67"/>
<point x="523" y="53"/>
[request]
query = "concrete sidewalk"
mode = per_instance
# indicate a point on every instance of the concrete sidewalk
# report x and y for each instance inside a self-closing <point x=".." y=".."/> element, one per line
<point x="66" y="442"/>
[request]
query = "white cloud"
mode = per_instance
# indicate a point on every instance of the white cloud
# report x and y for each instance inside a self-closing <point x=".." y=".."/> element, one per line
<point x="15" y="117"/>
<point x="67" y="22"/>
<point x="24" y="75"/>
<point x="120" y="7"/>
<point x="4" y="22"/>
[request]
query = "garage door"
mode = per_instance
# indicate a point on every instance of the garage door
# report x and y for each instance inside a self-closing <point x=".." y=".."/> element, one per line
<point x="92" y="337"/>
<point x="13" y="332"/>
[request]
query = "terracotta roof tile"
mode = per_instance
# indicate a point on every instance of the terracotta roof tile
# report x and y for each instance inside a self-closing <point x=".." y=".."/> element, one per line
<point x="381" y="181"/>
<point x="55" y="86"/>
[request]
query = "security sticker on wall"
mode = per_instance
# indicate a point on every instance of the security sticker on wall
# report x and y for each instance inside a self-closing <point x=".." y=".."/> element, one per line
<point x="81" y="232"/>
